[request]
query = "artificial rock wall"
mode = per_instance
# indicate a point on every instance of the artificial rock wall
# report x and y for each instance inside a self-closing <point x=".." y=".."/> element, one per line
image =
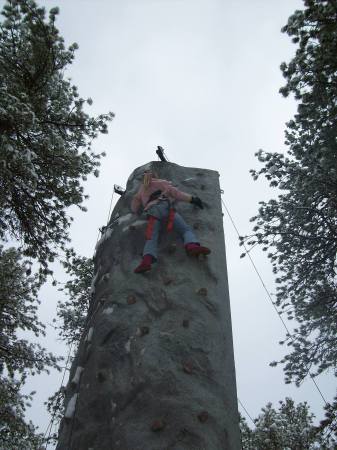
<point x="155" y="367"/>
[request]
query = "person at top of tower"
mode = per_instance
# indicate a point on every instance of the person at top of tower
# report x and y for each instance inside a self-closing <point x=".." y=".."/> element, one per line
<point x="157" y="197"/>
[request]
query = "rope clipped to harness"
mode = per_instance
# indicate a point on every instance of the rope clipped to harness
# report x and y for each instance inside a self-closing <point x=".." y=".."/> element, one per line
<point x="149" y="228"/>
<point x="170" y="220"/>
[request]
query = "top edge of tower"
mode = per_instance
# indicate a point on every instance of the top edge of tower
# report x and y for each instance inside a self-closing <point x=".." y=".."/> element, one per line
<point x="165" y="168"/>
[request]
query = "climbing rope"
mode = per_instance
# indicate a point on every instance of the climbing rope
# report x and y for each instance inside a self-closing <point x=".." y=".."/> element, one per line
<point x="88" y="326"/>
<point x="112" y="196"/>
<point x="107" y="221"/>
<point x="50" y="425"/>
<point x="51" y="422"/>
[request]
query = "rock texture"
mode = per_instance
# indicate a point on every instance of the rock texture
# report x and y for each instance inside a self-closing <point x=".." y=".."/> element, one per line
<point x="155" y="367"/>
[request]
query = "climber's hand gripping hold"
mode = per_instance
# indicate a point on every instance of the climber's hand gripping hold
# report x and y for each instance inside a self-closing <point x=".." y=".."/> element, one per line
<point x="197" y="202"/>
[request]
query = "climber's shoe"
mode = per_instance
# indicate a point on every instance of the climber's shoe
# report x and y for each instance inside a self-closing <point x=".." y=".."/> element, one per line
<point x="194" y="249"/>
<point x="145" y="265"/>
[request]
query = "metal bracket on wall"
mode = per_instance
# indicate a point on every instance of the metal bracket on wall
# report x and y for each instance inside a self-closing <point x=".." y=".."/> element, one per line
<point x="118" y="189"/>
<point x="161" y="154"/>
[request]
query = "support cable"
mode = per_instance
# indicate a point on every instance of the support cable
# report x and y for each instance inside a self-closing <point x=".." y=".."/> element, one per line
<point x="242" y="406"/>
<point x="50" y="425"/>
<point x="112" y="196"/>
<point x="269" y="296"/>
<point x="99" y="231"/>
<point x="86" y="328"/>
<point x="255" y="268"/>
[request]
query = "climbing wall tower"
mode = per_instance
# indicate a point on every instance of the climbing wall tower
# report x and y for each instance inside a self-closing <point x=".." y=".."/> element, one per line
<point x="155" y="366"/>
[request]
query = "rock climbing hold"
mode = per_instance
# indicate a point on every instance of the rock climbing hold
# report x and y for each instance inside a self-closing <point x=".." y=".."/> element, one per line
<point x="202" y="187"/>
<point x="145" y="330"/>
<point x="131" y="300"/>
<point x="167" y="281"/>
<point x="186" y="323"/>
<point x="132" y="228"/>
<point x="77" y="376"/>
<point x="89" y="335"/>
<point x="202" y="291"/>
<point x="171" y="248"/>
<point x="203" y="416"/>
<point x="100" y="377"/>
<point x="87" y="353"/>
<point x="188" y="367"/>
<point x="196" y="226"/>
<point x="142" y="331"/>
<point x="70" y="409"/>
<point x="106" y="277"/>
<point x="157" y="425"/>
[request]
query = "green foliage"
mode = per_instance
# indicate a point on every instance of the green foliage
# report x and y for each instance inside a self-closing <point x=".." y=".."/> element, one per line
<point x="74" y="310"/>
<point x="18" y="356"/>
<point x="328" y="426"/>
<point x="247" y="435"/>
<point x="45" y="155"/>
<point x="55" y="408"/>
<point x="288" y="428"/>
<point x="18" y="312"/>
<point x="15" y="432"/>
<point x="45" y="140"/>
<point x="72" y="315"/>
<point x="299" y="228"/>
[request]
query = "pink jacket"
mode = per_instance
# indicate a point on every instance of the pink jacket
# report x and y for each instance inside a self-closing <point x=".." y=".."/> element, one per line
<point x="143" y="194"/>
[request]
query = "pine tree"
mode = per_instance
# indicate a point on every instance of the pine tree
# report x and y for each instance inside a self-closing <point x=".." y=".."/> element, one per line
<point x="45" y="155"/>
<point x="73" y="311"/>
<point x="288" y="428"/>
<point x="15" y="432"/>
<point x="45" y="140"/>
<point x="18" y="356"/>
<point x="299" y="227"/>
<point x="72" y="315"/>
<point x="328" y="426"/>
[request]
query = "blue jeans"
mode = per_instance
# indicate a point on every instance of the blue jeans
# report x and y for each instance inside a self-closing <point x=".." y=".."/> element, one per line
<point x="161" y="211"/>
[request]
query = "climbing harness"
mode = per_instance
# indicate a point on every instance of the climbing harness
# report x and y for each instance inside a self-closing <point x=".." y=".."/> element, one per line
<point x="149" y="229"/>
<point x="170" y="220"/>
<point x="154" y="196"/>
<point x="158" y="195"/>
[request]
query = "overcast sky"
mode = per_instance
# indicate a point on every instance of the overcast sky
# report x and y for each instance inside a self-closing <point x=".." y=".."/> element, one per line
<point x="201" y="79"/>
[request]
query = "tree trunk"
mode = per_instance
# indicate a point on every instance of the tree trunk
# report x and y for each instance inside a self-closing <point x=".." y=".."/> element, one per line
<point x="157" y="353"/>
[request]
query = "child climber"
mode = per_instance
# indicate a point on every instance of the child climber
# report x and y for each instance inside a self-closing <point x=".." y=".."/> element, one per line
<point x="157" y="198"/>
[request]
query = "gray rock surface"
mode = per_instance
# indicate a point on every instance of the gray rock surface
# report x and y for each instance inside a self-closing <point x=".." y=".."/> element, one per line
<point x="155" y="367"/>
